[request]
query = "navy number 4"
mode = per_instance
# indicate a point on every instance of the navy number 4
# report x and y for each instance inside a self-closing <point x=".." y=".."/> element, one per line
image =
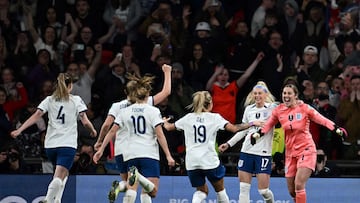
<point x="61" y="115"/>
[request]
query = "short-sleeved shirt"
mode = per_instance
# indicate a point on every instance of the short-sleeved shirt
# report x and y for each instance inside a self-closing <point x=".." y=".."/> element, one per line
<point x="82" y="87"/>
<point x="140" y="121"/>
<point x="295" y="121"/>
<point x="200" y="130"/>
<point x="224" y="100"/>
<point x="62" y="125"/>
<point x="39" y="44"/>
<point x="122" y="133"/>
<point x="263" y="146"/>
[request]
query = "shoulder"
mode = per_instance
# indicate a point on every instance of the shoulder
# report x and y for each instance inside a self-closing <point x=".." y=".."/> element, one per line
<point x="214" y="115"/>
<point x="272" y="105"/>
<point x="122" y="104"/>
<point x="77" y="99"/>
<point x="250" y="107"/>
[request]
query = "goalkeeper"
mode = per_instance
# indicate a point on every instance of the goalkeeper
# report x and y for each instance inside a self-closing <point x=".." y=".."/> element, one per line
<point x="300" y="150"/>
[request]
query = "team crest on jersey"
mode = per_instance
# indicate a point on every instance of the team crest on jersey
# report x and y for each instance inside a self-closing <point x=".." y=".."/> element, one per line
<point x="240" y="163"/>
<point x="298" y="116"/>
<point x="265" y="114"/>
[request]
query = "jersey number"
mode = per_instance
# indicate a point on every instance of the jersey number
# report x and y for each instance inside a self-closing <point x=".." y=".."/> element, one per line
<point x="264" y="162"/>
<point x="61" y="115"/>
<point x="199" y="134"/>
<point x="139" y="124"/>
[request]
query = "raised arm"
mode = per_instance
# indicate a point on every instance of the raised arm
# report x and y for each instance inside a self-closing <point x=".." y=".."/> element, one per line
<point x="30" y="26"/>
<point x="108" y="35"/>
<point x="212" y="79"/>
<point x="244" y="77"/>
<point x="74" y="29"/>
<point x="166" y="90"/>
<point x="96" y="62"/>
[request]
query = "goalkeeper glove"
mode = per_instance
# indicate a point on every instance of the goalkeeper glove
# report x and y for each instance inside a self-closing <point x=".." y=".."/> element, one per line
<point x="340" y="131"/>
<point x="255" y="136"/>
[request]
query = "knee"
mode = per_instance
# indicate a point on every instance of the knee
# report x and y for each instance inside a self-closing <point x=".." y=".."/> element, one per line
<point x="299" y="185"/>
<point x="266" y="193"/>
<point x="153" y="193"/>
<point x="292" y="194"/>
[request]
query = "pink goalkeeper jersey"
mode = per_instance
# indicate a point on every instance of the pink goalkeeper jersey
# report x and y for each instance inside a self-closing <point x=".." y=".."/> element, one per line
<point x="295" y="121"/>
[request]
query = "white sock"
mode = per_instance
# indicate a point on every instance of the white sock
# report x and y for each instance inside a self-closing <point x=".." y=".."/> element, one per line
<point x="130" y="196"/>
<point x="222" y="197"/>
<point x="244" y="196"/>
<point x="198" y="196"/>
<point x="122" y="186"/>
<point x="145" y="198"/>
<point x="267" y="195"/>
<point x="147" y="185"/>
<point x="61" y="191"/>
<point x="53" y="189"/>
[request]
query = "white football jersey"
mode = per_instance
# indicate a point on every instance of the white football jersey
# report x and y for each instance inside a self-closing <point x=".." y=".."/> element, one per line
<point x="140" y="121"/>
<point x="122" y="133"/>
<point x="200" y="130"/>
<point x="263" y="145"/>
<point x="62" y="124"/>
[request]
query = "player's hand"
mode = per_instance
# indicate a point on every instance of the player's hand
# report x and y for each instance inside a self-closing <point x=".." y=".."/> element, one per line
<point x="97" y="156"/>
<point x="171" y="161"/>
<point x="166" y="68"/>
<point x="341" y="132"/>
<point x="97" y="145"/>
<point x="255" y="136"/>
<point x="15" y="133"/>
<point x="223" y="147"/>
<point x="93" y="133"/>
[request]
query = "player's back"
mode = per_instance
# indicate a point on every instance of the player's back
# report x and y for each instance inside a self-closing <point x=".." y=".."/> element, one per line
<point x="62" y="124"/>
<point x="200" y="130"/>
<point x="140" y="120"/>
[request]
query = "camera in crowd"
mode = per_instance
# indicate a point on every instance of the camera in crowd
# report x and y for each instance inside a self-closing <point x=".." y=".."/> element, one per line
<point x="320" y="158"/>
<point x="84" y="161"/>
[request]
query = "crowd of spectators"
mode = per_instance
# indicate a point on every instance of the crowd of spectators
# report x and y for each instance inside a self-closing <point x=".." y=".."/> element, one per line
<point x="311" y="43"/>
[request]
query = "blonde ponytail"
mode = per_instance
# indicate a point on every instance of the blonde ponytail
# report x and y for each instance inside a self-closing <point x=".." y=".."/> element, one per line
<point x="61" y="92"/>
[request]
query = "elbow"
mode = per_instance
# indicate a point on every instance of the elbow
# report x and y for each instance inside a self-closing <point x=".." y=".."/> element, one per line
<point x="166" y="92"/>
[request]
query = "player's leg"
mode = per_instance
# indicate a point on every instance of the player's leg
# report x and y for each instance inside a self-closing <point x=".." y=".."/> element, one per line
<point x="263" y="172"/>
<point x="147" y="174"/>
<point x="263" y="187"/>
<point x="305" y="166"/>
<point x="145" y="198"/>
<point x="245" y="185"/>
<point x="302" y="175"/>
<point x="197" y="180"/>
<point x="291" y="186"/>
<point x="216" y="178"/>
<point x="61" y="191"/>
<point x="130" y="195"/>
<point x="246" y="168"/>
<point x="290" y="172"/>
<point x="119" y="186"/>
<point x="199" y="195"/>
<point x="63" y="158"/>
